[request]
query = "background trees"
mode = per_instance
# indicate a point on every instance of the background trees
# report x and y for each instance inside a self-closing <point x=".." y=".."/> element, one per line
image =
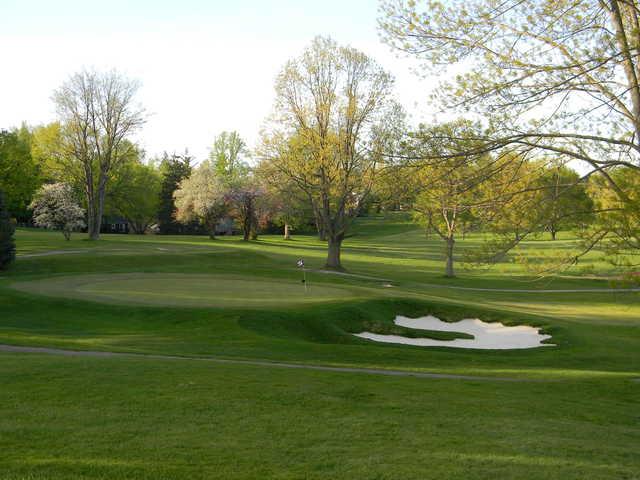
<point x="97" y="113"/>
<point x="329" y="102"/>
<point x="7" y="244"/>
<point x="135" y="194"/>
<point x="174" y="168"/>
<point x="54" y="206"/>
<point x="449" y="189"/>
<point x="227" y="155"/>
<point x="556" y="80"/>
<point x="564" y="199"/>
<point x="19" y="174"/>
<point x="202" y="196"/>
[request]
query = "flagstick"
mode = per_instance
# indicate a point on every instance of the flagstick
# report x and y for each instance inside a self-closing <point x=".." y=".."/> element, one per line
<point x="304" y="276"/>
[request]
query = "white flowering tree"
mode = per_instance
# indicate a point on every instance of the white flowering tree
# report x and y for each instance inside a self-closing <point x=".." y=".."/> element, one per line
<point x="203" y="197"/>
<point x="54" y="206"/>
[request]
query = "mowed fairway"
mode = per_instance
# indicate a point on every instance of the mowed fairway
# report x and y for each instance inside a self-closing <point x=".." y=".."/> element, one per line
<point x="567" y="412"/>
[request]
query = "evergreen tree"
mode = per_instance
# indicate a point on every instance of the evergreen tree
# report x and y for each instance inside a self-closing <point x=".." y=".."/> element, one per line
<point x="175" y="168"/>
<point x="7" y="244"/>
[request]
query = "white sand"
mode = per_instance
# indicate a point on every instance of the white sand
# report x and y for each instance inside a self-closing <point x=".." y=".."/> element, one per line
<point x="491" y="336"/>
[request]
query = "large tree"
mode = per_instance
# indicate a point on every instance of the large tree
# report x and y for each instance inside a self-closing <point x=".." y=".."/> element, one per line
<point x="331" y="108"/>
<point x="174" y="169"/>
<point x="555" y="77"/>
<point x="19" y="174"/>
<point x="98" y="113"/>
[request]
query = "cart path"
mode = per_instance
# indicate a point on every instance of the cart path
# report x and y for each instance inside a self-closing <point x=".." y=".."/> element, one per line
<point x="258" y="363"/>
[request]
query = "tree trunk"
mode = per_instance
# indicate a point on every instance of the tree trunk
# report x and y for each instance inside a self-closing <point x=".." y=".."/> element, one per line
<point x="553" y="232"/>
<point x="333" y="254"/>
<point x="95" y="221"/>
<point x="287" y="234"/>
<point x="449" y="270"/>
<point x="246" y="231"/>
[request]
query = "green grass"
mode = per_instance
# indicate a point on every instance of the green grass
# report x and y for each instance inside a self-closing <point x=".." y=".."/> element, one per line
<point x="573" y="416"/>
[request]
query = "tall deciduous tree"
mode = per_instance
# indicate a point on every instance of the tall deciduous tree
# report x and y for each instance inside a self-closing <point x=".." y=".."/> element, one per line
<point x="555" y="77"/>
<point x="203" y="197"/>
<point x="7" y="244"/>
<point x="98" y="113"/>
<point x="331" y="104"/>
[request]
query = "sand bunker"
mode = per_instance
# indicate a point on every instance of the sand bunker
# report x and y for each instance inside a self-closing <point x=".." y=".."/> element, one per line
<point x="491" y="336"/>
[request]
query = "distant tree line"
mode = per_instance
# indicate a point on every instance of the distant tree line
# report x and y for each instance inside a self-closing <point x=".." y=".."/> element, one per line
<point x="337" y="146"/>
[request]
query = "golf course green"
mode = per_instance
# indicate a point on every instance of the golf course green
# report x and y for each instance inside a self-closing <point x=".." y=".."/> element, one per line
<point x="218" y="344"/>
<point x="185" y="290"/>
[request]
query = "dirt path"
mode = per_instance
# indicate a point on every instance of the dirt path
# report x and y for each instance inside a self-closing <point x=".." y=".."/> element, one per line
<point x="259" y="363"/>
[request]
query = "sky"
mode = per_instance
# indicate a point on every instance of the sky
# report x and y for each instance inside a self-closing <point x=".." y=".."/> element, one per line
<point x="204" y="65"/>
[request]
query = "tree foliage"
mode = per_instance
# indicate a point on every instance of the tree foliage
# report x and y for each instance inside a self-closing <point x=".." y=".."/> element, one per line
<point x="135" y="194"/>
<point x="555" y="79"/>
<point x="447" y="191"/>
<point x="174" y="168"/>
<point x="332" y="107"/>
<point x="19" y="174"/>
<point x="54" y="206"/>
<point x="203" y="197"/>
<point x="227" y="155"/>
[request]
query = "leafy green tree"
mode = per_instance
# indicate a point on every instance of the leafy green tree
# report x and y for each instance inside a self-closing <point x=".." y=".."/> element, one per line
<point x="19" y="175"/>
<point x="617" y="222"/>
<point x="135" y="194"/>
<point x="227" y="155"/>
<point x="447" y="190"/>
<point x="7" y="244"/>
<point x="54" y="206"/>
<point x="203" y="197"/>
<point x="174" y="169"/>
<point x="565" y="199"/>
<point x="333" y="104"/>
<point x="48" y="152"/>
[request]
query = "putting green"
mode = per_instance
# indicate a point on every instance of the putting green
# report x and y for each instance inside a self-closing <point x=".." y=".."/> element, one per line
<point x="185" y="290"/>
